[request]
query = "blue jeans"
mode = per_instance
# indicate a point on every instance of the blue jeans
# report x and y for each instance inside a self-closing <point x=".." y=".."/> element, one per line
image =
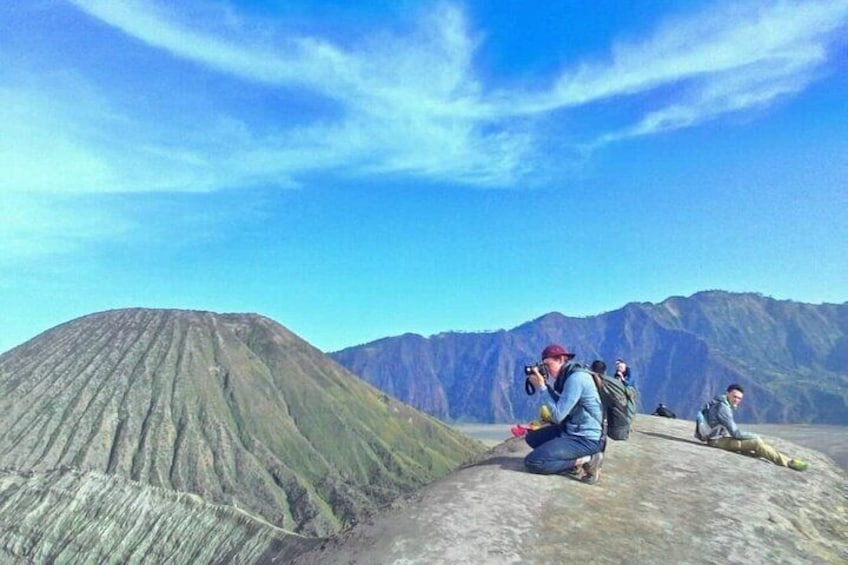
<point x="535" y="438"/>
<point x="555" y="451"/>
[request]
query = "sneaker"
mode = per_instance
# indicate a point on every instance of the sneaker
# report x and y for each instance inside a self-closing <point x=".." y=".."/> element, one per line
<point x="592" y="469"/>
<point x="574" y="472"/>
<point x="797" y="464"/>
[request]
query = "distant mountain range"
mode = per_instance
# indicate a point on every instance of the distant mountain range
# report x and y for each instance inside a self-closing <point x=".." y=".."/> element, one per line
<point x="791" y="357"/>
<point x="251" y="423"/>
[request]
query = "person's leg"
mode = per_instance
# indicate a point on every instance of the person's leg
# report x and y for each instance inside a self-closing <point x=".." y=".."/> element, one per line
<point x="764" y="450"/>
<point x="537" y="437"/>
<point x="559" y="454"/>
<point x="592" y="468"/>
<point x="756" y="446"/>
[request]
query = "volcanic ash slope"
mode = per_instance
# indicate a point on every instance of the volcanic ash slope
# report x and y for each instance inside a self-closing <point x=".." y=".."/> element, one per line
<point x="233" y="408"/>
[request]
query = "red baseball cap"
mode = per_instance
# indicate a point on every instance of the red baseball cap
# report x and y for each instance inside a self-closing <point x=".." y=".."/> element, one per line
<point x="555" y="350"/>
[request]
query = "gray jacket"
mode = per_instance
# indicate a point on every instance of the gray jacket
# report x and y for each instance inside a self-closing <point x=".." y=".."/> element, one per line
<point x="720" y="418"/>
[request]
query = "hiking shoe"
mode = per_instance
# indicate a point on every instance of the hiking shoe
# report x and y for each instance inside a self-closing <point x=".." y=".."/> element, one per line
<point x="797" y="465"/>
<point x="574" y="472"/>
<point x="592" y="469"/>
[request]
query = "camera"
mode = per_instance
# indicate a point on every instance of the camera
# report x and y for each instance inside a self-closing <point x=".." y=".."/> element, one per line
<point x="528" y="369"/>
<point x="529" y="387"/>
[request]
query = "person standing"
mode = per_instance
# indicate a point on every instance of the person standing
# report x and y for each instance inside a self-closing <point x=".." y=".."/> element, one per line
<point x="574" y="443"/>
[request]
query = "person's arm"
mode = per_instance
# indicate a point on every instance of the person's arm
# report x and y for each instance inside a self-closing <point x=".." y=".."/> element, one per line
<point x="566" y="402"/>
<point x="725" y="418"/>
<point x="547" y="394"/>
<point x="551" y="393"/>
<point x="629" y="377"/>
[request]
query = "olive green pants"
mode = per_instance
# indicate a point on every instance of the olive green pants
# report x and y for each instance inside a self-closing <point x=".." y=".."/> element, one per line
<point x="755" y="447"/>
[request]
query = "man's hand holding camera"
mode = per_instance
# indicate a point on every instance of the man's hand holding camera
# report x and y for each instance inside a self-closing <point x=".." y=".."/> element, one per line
<point x="537" y="379"/>
<point x="537" y="375"/>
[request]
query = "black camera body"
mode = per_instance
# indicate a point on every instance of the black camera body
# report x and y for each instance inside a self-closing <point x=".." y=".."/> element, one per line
<point x="528" y="369"/>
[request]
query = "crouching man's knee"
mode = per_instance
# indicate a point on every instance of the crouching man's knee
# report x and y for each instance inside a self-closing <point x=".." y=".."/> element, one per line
<point x="532" y="464"/>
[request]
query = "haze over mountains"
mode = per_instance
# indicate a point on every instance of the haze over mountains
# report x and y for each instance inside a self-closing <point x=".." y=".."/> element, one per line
<point x="791" y="357"/>
<point x="234" y="410"/>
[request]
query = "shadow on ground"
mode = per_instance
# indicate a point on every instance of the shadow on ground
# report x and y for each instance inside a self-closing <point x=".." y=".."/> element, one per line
<point x="665" y="497"/>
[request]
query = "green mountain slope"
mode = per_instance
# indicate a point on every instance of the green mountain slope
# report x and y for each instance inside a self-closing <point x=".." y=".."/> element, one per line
<point x="233" y="408"/>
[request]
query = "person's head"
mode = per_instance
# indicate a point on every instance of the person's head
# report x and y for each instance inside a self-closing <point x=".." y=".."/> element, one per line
<point x="620" y="366"/>
<point x="598" y="367"/>
<point x="735" y="394"/>
<point x="554" y="357"/>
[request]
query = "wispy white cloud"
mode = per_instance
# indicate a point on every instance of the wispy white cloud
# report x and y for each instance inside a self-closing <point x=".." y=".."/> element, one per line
<point x="413" y="103"/>
<point x="403" y="101"/>
<point x="405" y="104"/>
<point x="220" y="39"/>
<point x="724" y="94"/>
<point x="35" y="154"/>
<point x="729" y="59"/>
<point x="34" y="227"/>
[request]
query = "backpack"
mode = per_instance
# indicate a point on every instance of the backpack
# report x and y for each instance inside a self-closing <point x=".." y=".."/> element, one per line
<point x="619" y="405"/>
<point x="703" y="429"/>
<point x="618" y="402"/>
<point x="559" y="385"/>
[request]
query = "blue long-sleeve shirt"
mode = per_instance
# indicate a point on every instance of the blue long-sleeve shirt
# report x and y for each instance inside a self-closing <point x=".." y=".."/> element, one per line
<point x="578" y="407"/>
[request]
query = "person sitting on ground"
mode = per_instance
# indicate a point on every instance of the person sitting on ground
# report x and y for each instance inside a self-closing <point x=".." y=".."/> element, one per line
<point x="623" y="373"/>
<point x="573" y="444"/>
<point x="725" y="434"/>
<point x="664" y="411"/>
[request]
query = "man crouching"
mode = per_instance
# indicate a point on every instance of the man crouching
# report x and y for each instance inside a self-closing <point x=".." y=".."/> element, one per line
<point x="573" y="443"/>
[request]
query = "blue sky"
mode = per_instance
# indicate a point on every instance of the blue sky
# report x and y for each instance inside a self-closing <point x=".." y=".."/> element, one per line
<point x="360" y="170"/>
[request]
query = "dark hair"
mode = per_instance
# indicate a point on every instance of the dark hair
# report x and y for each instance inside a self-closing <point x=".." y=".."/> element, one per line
<point x="599" y="367"/>
<point x="735" y="386"/>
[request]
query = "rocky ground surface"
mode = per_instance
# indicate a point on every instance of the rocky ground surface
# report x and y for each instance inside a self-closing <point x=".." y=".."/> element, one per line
<point x="830" y="440"/>
<point x="662" y="498"/>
